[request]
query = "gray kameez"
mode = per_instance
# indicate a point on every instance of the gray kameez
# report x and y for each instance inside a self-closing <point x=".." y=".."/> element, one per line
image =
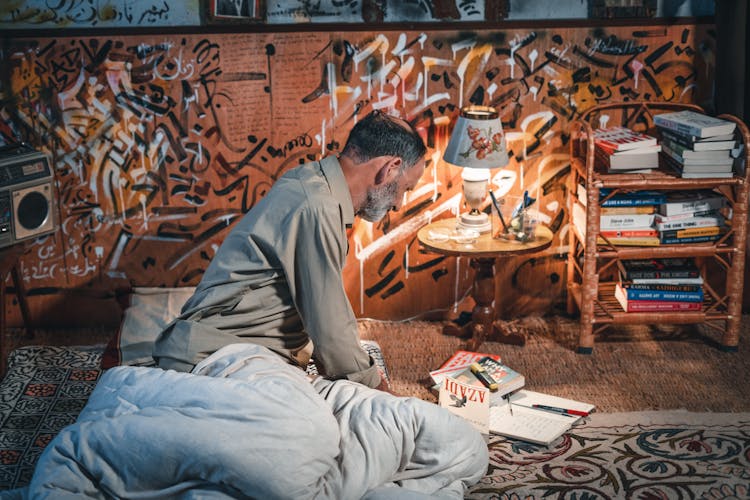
<point x="277" y="281"/>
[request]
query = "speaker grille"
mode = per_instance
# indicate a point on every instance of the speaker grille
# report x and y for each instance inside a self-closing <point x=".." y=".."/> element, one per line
<point x="33" y="210"/>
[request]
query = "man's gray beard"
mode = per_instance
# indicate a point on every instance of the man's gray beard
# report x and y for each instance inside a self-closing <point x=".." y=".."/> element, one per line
<point x="379" y="201"/>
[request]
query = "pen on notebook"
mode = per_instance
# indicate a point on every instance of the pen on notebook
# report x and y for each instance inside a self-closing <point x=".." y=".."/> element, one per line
<point x="564" y="411"/>
<point x="484" y="377"/>
<point x="510" y="406"/>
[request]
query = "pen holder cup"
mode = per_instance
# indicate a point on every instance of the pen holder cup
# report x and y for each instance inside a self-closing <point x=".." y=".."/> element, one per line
<point x="513" y="221"/>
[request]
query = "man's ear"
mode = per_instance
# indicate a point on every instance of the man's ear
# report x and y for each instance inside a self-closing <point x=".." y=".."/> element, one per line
<point x="389" y="170"/>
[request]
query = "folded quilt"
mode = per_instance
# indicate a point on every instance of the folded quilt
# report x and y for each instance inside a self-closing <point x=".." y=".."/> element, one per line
<point x="247" y="425"/>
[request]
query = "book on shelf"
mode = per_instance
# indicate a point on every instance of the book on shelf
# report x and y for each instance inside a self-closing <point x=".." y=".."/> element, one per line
<point x="629" y="233"/>
<point x="638" y="209"/>
<point x="667" y="281"/>
<point x="681" y="202"/>
<point x="711" y="212"/>
<point x="507" y="379"/>
<point x="536" y="417"/>
<point x="630" y="305"/>
<point x="692" y="123"/>
<point x="692" y="231"/>
<point x="718" y="164"/>
<point x="457" y="362"/>
<point x="671" y="268"/>
<point x="629" y="241"/>
<point x="626" y="221"/>
<point x="641" y="160"/>
<point x="706" y="175"/>
<point x="665" y="223"/>
<point x="619" y="139"/>
<point x="579" y="218"/>
<point x="633" y="198"/>
<point x="661" y="285"/>
<point x="682" y="153"/>
<point x="726" y="142"/>
<point x="636" y="293"/>
<point x="684" y="240"/>
<point x="695" y="171"/>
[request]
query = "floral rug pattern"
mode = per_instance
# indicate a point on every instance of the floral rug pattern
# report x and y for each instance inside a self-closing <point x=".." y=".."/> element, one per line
<point x="607" y="459"/>
<point x="668" y="455"/>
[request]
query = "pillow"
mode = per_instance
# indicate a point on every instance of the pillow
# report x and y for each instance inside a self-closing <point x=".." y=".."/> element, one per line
<point x="150" y="309"/>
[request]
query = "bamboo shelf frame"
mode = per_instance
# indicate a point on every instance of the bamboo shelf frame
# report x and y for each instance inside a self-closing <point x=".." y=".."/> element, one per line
<point x="589" y="262"/>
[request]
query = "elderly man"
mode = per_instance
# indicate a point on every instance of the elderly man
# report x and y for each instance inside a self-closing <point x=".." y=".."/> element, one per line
<point x="277" y="280"/>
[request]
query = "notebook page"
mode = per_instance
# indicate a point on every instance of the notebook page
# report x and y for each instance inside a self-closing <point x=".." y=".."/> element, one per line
<point x="525" y="397"/>
<point x="531" y="425"/>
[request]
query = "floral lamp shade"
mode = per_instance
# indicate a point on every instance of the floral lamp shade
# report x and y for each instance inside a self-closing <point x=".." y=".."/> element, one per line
<point x="477" y="144"/>
<point x="477" y="140"/>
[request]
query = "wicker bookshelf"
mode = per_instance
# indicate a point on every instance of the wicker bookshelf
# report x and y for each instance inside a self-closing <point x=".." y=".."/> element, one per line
<point x="591" y="265"/>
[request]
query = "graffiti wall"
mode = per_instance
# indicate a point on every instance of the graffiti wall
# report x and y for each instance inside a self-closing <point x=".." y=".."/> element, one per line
<point x="160" y="143"/>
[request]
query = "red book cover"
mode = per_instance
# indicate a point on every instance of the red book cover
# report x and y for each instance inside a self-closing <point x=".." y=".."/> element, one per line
<point x="616" y="139"/>
<point x="459" y="361"/>
<point x="628" y="233"/>
<point x="653" y="305"/>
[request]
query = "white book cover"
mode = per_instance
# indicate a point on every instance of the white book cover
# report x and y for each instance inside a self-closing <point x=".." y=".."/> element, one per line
<point x="725" y="142"/>
<point x="684" y="202"/>
<point x="467" y="401"/>
<point x="717" y="220"/>
<point x="689" y="122"/>
<point x="629" y="221"/>
<point x="686" y="215"/>
<point x="668" y="281"/>
<point x="707" y="175"/>
<point x="687" y="153"/>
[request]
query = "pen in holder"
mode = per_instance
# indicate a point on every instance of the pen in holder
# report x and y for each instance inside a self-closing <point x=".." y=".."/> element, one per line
<point x="511" y="218"/>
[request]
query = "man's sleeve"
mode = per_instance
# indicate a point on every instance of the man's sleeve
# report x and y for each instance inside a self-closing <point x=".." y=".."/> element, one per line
<point x="316" y="282"/>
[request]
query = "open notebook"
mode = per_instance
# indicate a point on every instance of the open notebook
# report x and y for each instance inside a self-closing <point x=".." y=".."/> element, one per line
<point x="518" y="418"/>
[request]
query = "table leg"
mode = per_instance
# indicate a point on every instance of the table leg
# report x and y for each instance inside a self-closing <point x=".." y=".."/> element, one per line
<point x="482" y="327"/>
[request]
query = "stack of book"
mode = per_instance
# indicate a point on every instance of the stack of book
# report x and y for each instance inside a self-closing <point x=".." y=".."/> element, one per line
<point x="490" y="396"/>
<point x="653" y="285"/>
<point x="622" y="150"/>
<point x="698" y="145"/>
<point x="506" y="379"/>
<point x="691" y="217"/>
<point x="627" y="219"/>
<point x="457" y="363"/>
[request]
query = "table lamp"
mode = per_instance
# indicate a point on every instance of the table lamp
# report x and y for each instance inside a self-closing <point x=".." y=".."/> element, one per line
<point x="477" y="144"/>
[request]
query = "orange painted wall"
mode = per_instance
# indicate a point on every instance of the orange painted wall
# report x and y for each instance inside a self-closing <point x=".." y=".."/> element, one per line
<point x="161" y="142"/>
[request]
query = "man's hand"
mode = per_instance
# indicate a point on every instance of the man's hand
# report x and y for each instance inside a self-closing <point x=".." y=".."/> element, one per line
<point x="385" y="387"/>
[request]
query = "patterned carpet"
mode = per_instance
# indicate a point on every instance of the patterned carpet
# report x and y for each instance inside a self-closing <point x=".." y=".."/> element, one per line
<point x="666" y="455"/>
<point x="617" y="455"/>
<point x="44" y="390"/>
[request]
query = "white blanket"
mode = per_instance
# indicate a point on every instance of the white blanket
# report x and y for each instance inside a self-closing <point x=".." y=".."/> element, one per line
<point x="247" y="425"/>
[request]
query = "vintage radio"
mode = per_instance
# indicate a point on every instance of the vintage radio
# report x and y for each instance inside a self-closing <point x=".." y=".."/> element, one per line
<point x="27" y="202"/>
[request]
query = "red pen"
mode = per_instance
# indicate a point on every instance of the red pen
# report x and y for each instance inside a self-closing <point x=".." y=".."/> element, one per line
<point x="564" y="411"/>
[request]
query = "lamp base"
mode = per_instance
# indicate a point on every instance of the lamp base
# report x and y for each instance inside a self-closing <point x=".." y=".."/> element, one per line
<point x="479" y="222"/>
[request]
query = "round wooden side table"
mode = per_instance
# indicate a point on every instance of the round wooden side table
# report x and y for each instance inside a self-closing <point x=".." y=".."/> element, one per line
<point x="482" y="254"/>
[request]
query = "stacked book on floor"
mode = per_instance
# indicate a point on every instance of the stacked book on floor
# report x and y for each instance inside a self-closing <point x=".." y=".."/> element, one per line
<point x="698" y="145"/>
<point x="620" y="150"/>
<point x="654" y="285"/>
<point x="482" y="389"/>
